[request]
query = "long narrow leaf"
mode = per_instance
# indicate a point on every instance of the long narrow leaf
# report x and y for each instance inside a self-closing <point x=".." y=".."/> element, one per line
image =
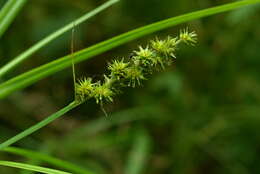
<point x="48" y="159"/>
<point x="38" y="125"/>
<point x="36" y="74"/>
<point x="31" y="167"/>
<point x="9" y="12"/>
<point x="17" y="60"/>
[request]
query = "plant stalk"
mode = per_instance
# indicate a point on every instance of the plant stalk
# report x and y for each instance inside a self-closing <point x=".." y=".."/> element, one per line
<point x="48" y="159"/>
<point x="31" y="167"/>
<point x="39" y="125"/>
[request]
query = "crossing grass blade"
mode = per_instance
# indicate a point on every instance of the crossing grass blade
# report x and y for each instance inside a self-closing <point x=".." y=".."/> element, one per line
<point x="43" y="71"/>
<point x="31" y="167"/>
<point x="44" y="42"/>
<point x="48" y="159"/>
<point x="9" y="12"/>
<point x="39" y="125"/>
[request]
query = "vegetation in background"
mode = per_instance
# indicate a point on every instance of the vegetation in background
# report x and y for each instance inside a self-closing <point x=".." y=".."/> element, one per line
<point x="200" y="115"/>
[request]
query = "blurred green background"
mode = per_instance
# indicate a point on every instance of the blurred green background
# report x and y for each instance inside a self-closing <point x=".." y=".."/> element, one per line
<point x="201" y="115"/>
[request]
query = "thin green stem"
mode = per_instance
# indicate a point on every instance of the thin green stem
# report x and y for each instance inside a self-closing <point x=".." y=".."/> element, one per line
<point x="8" y="13"/>
<point x="38" y="125"/>
<point x="31" y="167"/>
<point x="17" y="60"/>
<point x="48" y="159"/>
<point x="72" y="60"/>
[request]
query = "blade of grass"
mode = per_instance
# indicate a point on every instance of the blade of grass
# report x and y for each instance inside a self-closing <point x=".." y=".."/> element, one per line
<point x="23" y="56"/>
<point x="38" y="125"/>
<point x="31" y="162"/>
<point x="9" y="12"/>
<point x="48" y="159"/>
<point x="36" y="74"/>
<point x="31" y="167"/>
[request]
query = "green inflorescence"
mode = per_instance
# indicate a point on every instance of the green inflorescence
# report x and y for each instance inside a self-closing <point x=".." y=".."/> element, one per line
<point x="130" y="72"/>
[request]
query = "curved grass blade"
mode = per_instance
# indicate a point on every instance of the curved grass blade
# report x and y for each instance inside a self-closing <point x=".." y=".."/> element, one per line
<point x="39" y="125"/>
<point x="17" y="60"/>
<point x="36" y="74"/>
<point x="9" y="12"/>
<point x="48" y="159"/>
<point x="31" y="167"/>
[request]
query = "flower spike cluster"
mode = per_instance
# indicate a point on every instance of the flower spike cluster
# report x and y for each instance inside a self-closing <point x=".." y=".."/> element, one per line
<point x="187" y="37"/>
<point x="132" y="71"/>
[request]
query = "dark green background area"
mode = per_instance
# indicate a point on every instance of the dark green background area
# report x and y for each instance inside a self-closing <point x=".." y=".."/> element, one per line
<point x="201" y="115"/>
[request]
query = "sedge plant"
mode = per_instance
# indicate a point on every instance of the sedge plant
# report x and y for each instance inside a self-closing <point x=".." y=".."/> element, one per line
<point x="121" y="73"/>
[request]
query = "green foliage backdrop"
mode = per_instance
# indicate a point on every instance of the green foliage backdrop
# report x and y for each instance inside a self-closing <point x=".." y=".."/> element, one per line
<point x="201" y="115"/>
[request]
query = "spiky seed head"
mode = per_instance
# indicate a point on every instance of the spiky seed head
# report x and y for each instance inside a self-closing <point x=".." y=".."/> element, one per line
<point x="118" y="68"/>
<point x="144" y="52"/>
<point x="134" y="76"/>
<point x="84" y="89"/>
<point x="143" y="56"/>
<point x="165" y="47"/>
<point x="187" y="37"/>
<point x="103" y="92"/>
